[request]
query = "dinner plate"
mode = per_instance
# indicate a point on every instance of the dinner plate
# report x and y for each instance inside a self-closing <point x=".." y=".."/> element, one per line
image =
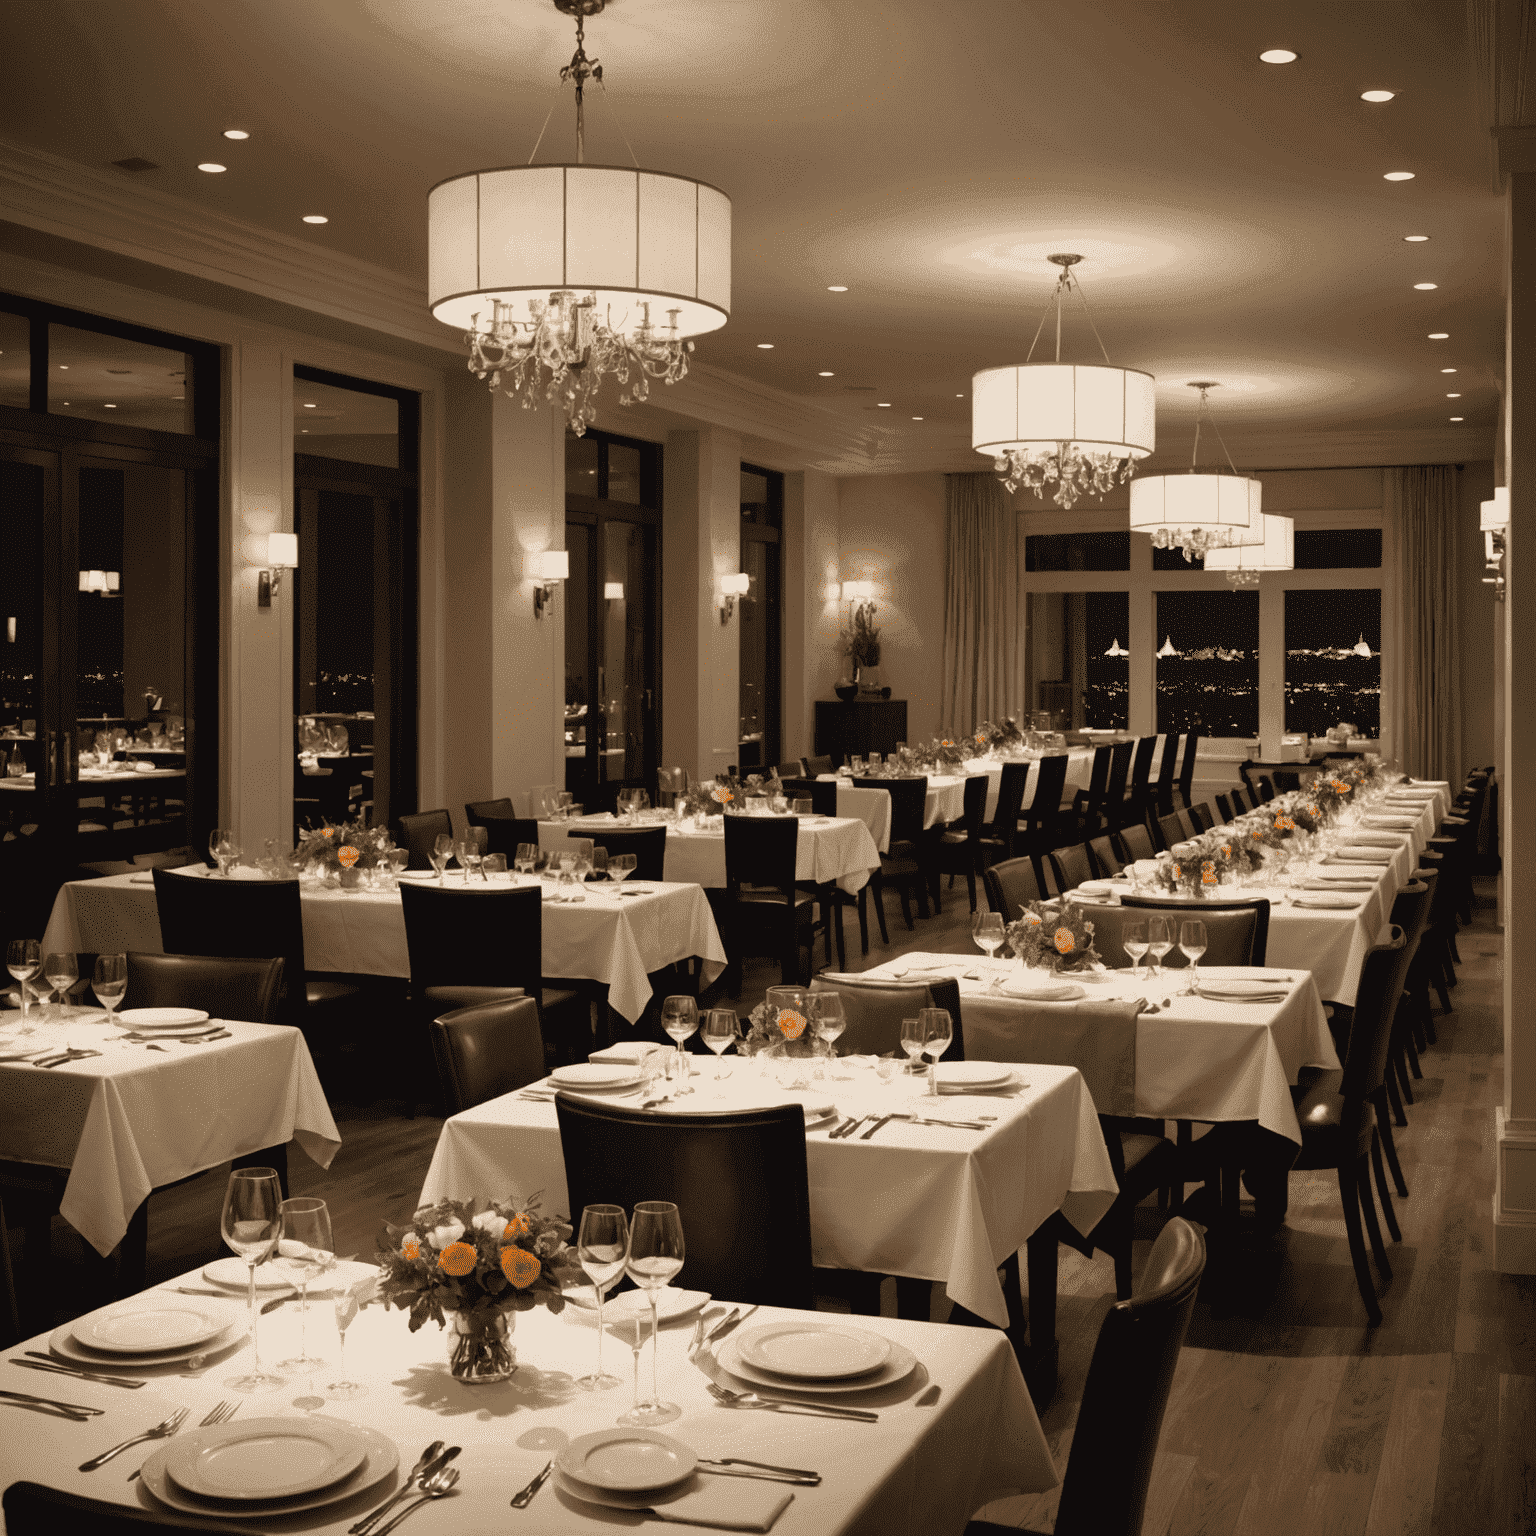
<point x="612" y="1498"/>
<point x="1328" y="900"/>
<point x="898" y="1366"/>
<point x="62" y="1343"/>
<point x="814" y="1351"/>
<point x="594" y="1074"/>
<point x="1231" y="986"/>
<point x="672" y="1303"/>
<point x="264" y="1459"/>
<point x="148" y="1326"/>
<point x="232" y="1272"/>
<point x="382" y="1457"/>
<point x="1093" y="888"/>
<point x="626" y="1460"/>
<point x="971" y="1074"/>
<point x="1045" y="992"/>
<point x="418" y="874"/>
<point x="616" y="1085"/>
<point x="161" y="1018"/>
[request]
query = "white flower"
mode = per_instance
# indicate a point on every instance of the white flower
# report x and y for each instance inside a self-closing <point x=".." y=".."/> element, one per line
<point x="450" y="1232"/>
<point x="490" y="1221"/>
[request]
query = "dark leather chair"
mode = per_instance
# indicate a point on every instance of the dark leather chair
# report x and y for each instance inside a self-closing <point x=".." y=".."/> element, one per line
<point x="648" y="844"/>
<point x="1137" y="804"/>
<point x="738" y="1179"/>
<point x="503" y="834"/>
<point x="822" y="793"/>
<point x="1000" y="841"/>
<point x="10" y="1306"/>
<point x="1011" y="885"/>
<point x="762" y="911"/>
<point x="1266" y="789"/>
<point x="250" y="920"/>
<point x="909" y="863"/>
<point x="959" y="850"/>
<point x="1241" y="802"/>
<point x="478" y="812"/>
<point x="33" y="1510"/>
<point x="1071" y="866"/>
<point x="875" y="1008"/>
<point x="1162" y="788"/>
<point x="816" y="765"/>
<point x="1224" y="809"/>
<point x="1125" y="1396"/>
<point x="1088" y="804"/>
<point x="1410" y="912"/>
<point x="1171" y="829"/>
<point x="1186" y="783"/>
<point x="418" y="831"/>
<point x="792" y="770"/>
<point x="1237" y="931"/>
<point x="1106" y="861"/>
<point x="1135" y="842"/>
<point x="1119" y="777"/>
<point x="224" y="987"/>
<point x="1041" y="820"/>
<point x="1202" y="817"/>
<point x="486" y="1050"/>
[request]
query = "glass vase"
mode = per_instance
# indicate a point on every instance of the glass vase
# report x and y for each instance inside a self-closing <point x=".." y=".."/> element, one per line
<point x="480" y="1348"/>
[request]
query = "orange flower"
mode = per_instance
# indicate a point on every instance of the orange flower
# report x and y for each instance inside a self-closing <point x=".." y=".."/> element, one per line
<point x="520" y="1267"/>
<point x="1032" y="918"/>
<point x="412" y="1250"/>
<point x="327" y="832"/>
<point x="347" y="856"/>
<point x="946" y="743"/>
<point x="721" y="795"/>
<point x="517" y="1227"/>
<point x="791" y="1024"/>
<point x="1279" y="823"/>
<point x="457" y="1258"/>
<point x="1208" y="873"/>
<point x="1178" y="871"/>
<point x="1226" y="850"/>
<point x="981" y="740"/>
<point x="1064" y="941"/>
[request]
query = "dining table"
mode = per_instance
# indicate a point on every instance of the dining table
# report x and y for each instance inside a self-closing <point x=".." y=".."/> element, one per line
<point x="943" y="803"/>
<point x="1079" y="772"/>
<point x="615" y="936"/>
<point x="957" y="1432"/>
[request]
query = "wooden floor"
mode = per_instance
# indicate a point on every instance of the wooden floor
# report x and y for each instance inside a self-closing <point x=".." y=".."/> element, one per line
<point x="1288" y="1414"/>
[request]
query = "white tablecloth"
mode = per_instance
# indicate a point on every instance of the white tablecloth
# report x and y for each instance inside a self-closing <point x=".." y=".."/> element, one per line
<point x="1079" y="771"/>
<point x="918" y="1472"/>
<point x="1198" y="1060"/>
<point x="828" y="848"/>
<point x="131" y="1120"/>
<point x="945" y="802"/>
<point x="916" y="1200"/>
<point x="610" y="939"/>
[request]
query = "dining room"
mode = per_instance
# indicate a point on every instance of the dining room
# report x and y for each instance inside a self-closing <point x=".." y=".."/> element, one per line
<point x="946" y="638"/>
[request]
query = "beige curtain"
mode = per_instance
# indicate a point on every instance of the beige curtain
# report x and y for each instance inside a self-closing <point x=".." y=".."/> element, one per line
<point x="1421" y="505"/>
<point x="981" y="603"/>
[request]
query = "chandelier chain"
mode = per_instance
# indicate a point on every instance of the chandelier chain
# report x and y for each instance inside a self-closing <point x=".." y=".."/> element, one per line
<point x="1065" y="284"/>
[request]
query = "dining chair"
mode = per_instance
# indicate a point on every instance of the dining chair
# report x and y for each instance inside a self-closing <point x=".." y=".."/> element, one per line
<point x="1114" y="790"/>
<point x="417" y="831"/>
<point x="737" y="1177"/>
<point x="1186" y="782"/>
<point x="791" y="770"/>
<point x="874" y="1008"/>
<point x="478" y="812"/>
<point x="1135" y="842"/>
<point x="1410" y="912"/>
<point x="1171" y="829"/>
<point x="1011" y="886"/>
<point x="648" y="844"/>
<point x="822" y="793"/>
<point x="1202" y="817"/>
<point x="1088" y="804"/>
<point x="251" y="920"/>
<point x="960" y="850"/>
<point x="1002" y="834"/>
<point x="909" y="864"/>
<point x="10" y="1307"/>
<point x="1237" y="931"/>
<point x="1266" y="789"/>
<point x="670" y="783"/>
<point x="486" y="1050"/>
<point x="1162" y="789"/>
<point x="1070" y="867"/>
<point x="816" y="765"/>
<point x="1137" y="803"/>
<point x="761" y="911"/>
<point x="505" y="834"/>
<point x="223" y="987"/>
<point x="31" y="1509"/>
<point x="1106" y="862"/>
<point x="1039" y="823"/>
<point x="1224" y="809"/>
<point x="1126" y="1395"/>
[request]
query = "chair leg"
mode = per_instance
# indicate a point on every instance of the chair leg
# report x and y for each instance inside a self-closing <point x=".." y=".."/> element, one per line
<point x="864" y="919"/>
<point x="878" y="886"/>
<point x="1395" y="1099"/>
<point x="1349" y="1198"/>
<point x="1455" y="956"/>
<point x="1368" y="1210"/>
<point x="1388" y="1142"/>
<point x="1388" y="1214"/>
<point x="906" y="906"/>
<point x="1428" y="1015"/>
<point x="1400" y="1067"/>
<point x="914" y="1299"/>
<point x="1411" y="1051"/>
<point x="970" y="885"/>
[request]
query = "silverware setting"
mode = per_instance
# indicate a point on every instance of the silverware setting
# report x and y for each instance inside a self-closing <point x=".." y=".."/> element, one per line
<point x="433" y="1487"/>
<point x="161" y="1431"/>
<point x="789" y="1405"/>
<point x="220" y="1413"/>
<point x="524" y="1497"/>
<point x="848" y="1127"/>
<point x="59" y="1060"/>
<point x="882" y="1120"/>
<point x="432" y="1461"/>
<point x="735" y="1466"/>
<point x="80" y="1412"/>
<point x="41" y="1362"/>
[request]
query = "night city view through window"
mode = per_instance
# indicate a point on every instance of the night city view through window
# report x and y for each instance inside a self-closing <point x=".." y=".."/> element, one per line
<point x="1333" y="660"/>
<point x="1208" y="662"/>
<point x="1078" y="650"/>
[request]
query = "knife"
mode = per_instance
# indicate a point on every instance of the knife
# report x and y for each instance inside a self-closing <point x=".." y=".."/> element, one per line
<point x="884" y="1119"/>
<point x="47" y="1363"/>
<point x="525" y="1498"/>
<point x="724" y="1326"/>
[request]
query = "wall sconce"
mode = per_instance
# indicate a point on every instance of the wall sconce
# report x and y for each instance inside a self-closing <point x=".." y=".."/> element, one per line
<point x="545" y="567"/>
<point x="613" y="592"/>
<point x="1495" y="514"/>
<point x="732" y="585"/>
<point x="1494" y="547"/>
<point x="282" y="555"/>
<point x="101" y="583"/>
<point x="858" y="591"/>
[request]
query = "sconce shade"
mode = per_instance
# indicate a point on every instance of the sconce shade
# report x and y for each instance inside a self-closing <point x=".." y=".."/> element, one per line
<point x="613" y="591"/>
<point x="547" y="565"/>
<point x="735" y="584"/>
<point x="858" y="591"/>
<point x="283" y="551"/>
<point x="1494" y="515"/>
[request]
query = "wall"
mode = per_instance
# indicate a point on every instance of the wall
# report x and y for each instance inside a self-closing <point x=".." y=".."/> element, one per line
<point x="1479" y="650"/>
<point x="812" y="564"/>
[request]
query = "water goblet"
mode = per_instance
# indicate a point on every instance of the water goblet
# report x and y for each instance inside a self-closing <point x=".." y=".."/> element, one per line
<point x="1159" y="941"/>
<point x="1133" y="940"/>
<point x="23" y="957"/>
<point x="602" y="1247"/>
<point x="1192" y="946"/>
<point x="109" y="981"/>
<point x="526" y="859"/>
<point x="442" y="851"/>
<point x="829" y="1019"/>
<point x="307" y="1251"/>
<point x="680" y="1018"/>
<point x="988" y="932"/>
<point x="251" y="1225"/>
<point x="803" y="807"/>
<point x="492" y="864"/>
<point x="656" y="1252"/>
<point x="719" y="1028"/>
<point x="599" y="862"/>
<point x="913" y="1036"/>
<point x="938" y="1030"/>
<point x="61" y="973"/>
<point x="399" y="862"/>
<point x="621" y="865"/>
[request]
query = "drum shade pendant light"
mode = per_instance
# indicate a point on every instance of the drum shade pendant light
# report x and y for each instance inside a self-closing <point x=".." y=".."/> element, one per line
<point x="564" y="275"/>
<point x="1078" y="426"/>
<point x="1195" y="513"/>
<point x="1245" y="563"/>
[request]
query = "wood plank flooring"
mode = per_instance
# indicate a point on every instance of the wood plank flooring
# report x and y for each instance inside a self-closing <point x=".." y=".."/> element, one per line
<point x="1287" y="1414"/>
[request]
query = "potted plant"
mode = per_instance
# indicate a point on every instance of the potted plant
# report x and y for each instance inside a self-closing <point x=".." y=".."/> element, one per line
<point x="861" y="643"/>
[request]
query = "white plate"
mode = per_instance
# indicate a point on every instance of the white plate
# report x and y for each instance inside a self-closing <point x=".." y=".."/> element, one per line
<point x="62" y="1343"/>
<point x="264" y="1459"/>
<point x="900" y="1364"/>
<point x="672" y="1303"/>
<point x="1060" y="992"/>
<point x="232" y="1272"/>
<point x="626" y="1460"/>
<point x="417" y="874"/>
<point x="611" y="1498"/>
<point x="814" y="1351"/>
<point x="383" y="1456"/>
<point x="594" y="1074"/>
<point x="971" y="1074"/>
<point x="1230" y="986"/>
<point x="617" y="1085"/>
<point x="144" y="1326"/>
<point x="162" y="1018"/>
<point x="1331" y="901"/>
<point x="1093" y="888"/>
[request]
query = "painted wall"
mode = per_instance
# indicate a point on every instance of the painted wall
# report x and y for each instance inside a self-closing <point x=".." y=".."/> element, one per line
<point x="1481" y="662"/>
<point x="812" y="565"/>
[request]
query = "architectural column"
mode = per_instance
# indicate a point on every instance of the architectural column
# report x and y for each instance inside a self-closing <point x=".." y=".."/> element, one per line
<point x="811" y="561"/>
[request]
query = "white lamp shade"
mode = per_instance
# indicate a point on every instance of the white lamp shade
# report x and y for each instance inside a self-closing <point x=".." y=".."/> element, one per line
<point x="547" y="565"/>
<point x="1195" y="501"/>
<point x="114" y="581"/>
<point x="858" y="591"/>
<point x="629" y="235"/>
<point x="735" y="584"/>
<point x="1037" y="405"/>
<point x="96" y="581"/>
<point x="283" y="551"/>
<point x="613" y="591"/>
<point x="1277" y="552"/>
<point x="1495" y="514"/>
<point x="85" y="581"/>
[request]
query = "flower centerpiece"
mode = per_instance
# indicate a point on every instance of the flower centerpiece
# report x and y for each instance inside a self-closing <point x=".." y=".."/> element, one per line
<point x="998" y="736"/>
<point x="770" y="1026"/>
<point x="343" y="851"/>
<point x="948" y="754"/>
<point x="472" y="1265"/>
<point x="1050" y="941"/>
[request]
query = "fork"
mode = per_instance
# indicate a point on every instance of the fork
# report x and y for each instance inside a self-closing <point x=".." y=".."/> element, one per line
<point x="781" y="1405"/>
<point x="220" y="1413"/>
<point x="434" y="1488"/>
<point x="162" y="1431"/>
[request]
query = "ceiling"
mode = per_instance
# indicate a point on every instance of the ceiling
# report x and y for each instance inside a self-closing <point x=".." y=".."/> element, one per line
<point x="1234" y="214"/>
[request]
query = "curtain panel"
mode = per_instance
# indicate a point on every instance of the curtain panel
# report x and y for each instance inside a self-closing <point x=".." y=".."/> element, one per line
<point x="1422" y="505"/>
<point x="981" y="679"/>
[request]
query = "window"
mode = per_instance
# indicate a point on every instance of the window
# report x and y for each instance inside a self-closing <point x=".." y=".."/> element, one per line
<point x="330" y="422"/>
<point x="1208" y="662"/>
<point x="1338" y="549"/>
<point x="15" y="360"/>
<point x="109" y="378"/>
<point x="1077" y="552"/>
<point x="1333" y="660"/>
<point x="762" y="521"/>
<point x="1077" y="665"/>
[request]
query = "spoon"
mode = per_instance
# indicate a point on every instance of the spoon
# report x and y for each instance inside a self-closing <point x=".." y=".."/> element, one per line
<point x="435" y="1487"/>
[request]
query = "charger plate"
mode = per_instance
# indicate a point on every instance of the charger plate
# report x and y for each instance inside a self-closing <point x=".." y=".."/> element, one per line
<point x="814" y="1351"/>
<point x="145" y="1326"/>
<point x="899" y="1365"/>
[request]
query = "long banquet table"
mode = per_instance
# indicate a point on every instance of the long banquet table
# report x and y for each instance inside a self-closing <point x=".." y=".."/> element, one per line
<point x="921" y="1471"/>
<point x="613" y="940"/>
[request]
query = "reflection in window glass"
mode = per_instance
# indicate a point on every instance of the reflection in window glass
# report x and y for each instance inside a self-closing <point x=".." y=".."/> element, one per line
<point x="1328" y="549"/>
<point x="336" y="639"/>
<point x="581" y="466"/>
<point x="623" y="474"/>
<point x="332" y="423"/>
<point x="754" y="498"/>
<point x="1333" y="660"/>
<point x="15" y="361"/>
<point x="107" y="379"/>
<point x="1173" y="560"/>
<point x="573" y="597"/>
<point x="1077" y="664"/>
<point x="21" y="599"/>
<point x="1208" y="662"/>
<point x="1077" y="552"/>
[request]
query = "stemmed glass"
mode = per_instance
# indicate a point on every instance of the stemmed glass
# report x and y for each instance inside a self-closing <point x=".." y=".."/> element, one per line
<point x="1159" y="941"/>
<point x="252" y="1224"/>
<point x="913" y="1037"/>
<point x="721" y="1026"/>
<point x="602" y="1246"/>
<point x="1192" y="946"/>
<point x="599" y="861"/>
<point x="1133" y="940"/>
<point x="626" y="804"/>
<point x="399" y="860"/>
<point x="656" y="1252"/>
<point x="526" y="858"/>
<point x="224" y="848"/>
<point x="621" y="865"/>
<point x="347" y="1300"/>
<point x="938" y="1030"/>
<point x="109" y="981"/>
<point x="61" y="973"/>
<point x="23" y="957"/>
<point x="828" y="1018"/>
<point x="307" y="1250"/>
<point x="442" y="850"/>
<point x="988" y="932"/>
<point x="680" y="1018"/>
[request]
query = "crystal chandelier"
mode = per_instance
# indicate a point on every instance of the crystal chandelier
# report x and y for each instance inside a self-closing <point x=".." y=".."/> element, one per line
<point x="1244" y="563"/>
<point x="1196" y="513"/>
<point x="1079" y="427"/>
<point x="565" y="275"/>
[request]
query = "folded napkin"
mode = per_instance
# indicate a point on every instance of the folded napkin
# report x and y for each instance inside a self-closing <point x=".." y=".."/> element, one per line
<point x="1360" y="856"/>
<point x="1374" y="840"/>
<point x="727" y="1503"/>
<point x="1339" y="885"/>
<point x="1346" y="873"/>
<point x="629" y="1052"/>
<point x="245" y="872"/>
<point x="1401" y="823"/>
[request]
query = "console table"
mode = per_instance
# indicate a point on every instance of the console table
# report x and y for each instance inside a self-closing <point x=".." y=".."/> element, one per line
<point x="859" y="727"/>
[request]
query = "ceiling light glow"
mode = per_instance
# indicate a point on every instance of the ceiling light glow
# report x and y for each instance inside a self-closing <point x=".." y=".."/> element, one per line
<point x="837" y="288"/>
<point x="1425" y="287"/>
<point x="1377" y="95"/>
<point x="1456" y="396"/>
<point x="1439" y="335"/>
<point x="236" y="133"/>
<point x="1278" y="56"/>
<point x="212" y="168"/>
<point x="765" y="346"/>
<point x="1397" y="176"/>
<point x="917" y="418"/>
<point x="1458" y="418"/>
<point x="826" y="374"/>
<point x="1447" y="370"/>
<point x="316" y="218"/>
<point x="884" y="405"/>
<point x="1415" y="239"/>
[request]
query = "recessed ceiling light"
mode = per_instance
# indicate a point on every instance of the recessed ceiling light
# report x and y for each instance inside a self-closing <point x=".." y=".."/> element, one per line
<point x="316" y="218"/>
<point x="212" y="168"/>
<point x="825" y="374"/>
<point x="837" y="288"/>
<point x="1425" y="287"/>
<point x="765" y="346"/>
<point x="304" y="431"/>
<point x="1377" y="95"/>
<point x="1277" y="56"/>
<point x="917" y="418"/>
<point x="1458" y="418"/>
<point x="108" y="406"/>
<point x="1447" y="370"/>
<point x="1397" y="176"/>
<point x="884" y="405"/>
<point x="309" y="405"/>
<point x="1415" y="239"/>
<point x="1456" y="396"/>
<point x="1439" y="335"/>
<point x="236" y="133"/>
<point x="63" y="367"/>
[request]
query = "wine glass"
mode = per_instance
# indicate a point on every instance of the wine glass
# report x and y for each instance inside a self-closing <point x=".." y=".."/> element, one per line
<point x="307" y="1251"/>
<point x="626" y="804"/>
<point x="988" y="932"/>
<point x="599" y="859"/>
<point x="526" y="857"/>
<point x="680" y="1018"/>
<point x="1192" y="946"/>
<point x="61" y="973"/>
<point x="655" y="1255"/>
<point x="621" y="865"/>
<point x="602" y="1246"/>
<point x="348" y="1299"/>
<point x="1159" y="941"/>
<point x="913" y="1036"/>
<point x="1133" y="940"/>
<point x="442" y="850"/>
<point x="219" y="841"/>
<point x="719" y="1029"/>
<point x="109" y="981"/>
<point x="251" y="1225"/>
<point x="22" y="959"/>
<point x="938" y="1030"/>
<point x="399" y="860"/>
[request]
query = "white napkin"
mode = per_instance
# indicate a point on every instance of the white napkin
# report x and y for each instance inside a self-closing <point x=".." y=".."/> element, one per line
<point x="1375" y="839"/>
<point x="245" y="872"/>
<point x="1360" y="856"/>
<point x="630" y="1052"/>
